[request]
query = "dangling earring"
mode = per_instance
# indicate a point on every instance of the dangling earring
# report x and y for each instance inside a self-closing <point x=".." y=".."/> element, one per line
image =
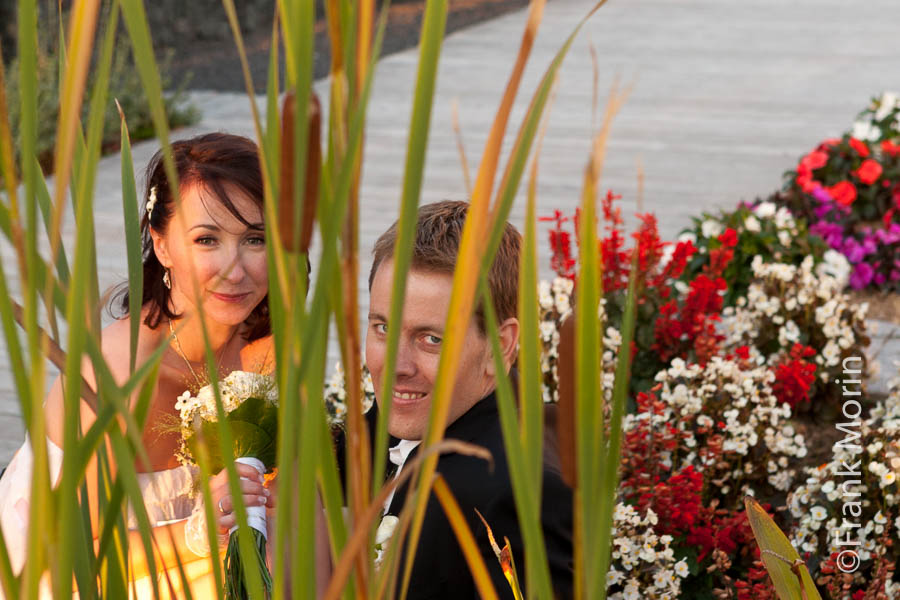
<point x="167" y="281"/>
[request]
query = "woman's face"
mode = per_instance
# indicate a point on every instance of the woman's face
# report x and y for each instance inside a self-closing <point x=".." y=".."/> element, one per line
<point x="206" y="243"/>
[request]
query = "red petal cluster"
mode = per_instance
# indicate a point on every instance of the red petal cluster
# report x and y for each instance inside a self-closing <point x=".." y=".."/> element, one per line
<point x="868" y="172"/>
<point x="794" y="376"/>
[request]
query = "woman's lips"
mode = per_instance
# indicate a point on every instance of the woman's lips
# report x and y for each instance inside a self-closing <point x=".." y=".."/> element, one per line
<point x="231" y="298"/>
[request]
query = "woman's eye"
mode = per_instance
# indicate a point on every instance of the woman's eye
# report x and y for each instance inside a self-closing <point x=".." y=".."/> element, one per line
<point x="257" y="240"/>
<point x="206" y="240"/>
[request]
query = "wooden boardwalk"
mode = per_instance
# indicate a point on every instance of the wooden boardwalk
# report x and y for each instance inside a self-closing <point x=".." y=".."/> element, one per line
<point x="726" y="95"/>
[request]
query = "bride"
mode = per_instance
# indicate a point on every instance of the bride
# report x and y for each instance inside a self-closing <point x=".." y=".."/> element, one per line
<point x="212" y="243"/>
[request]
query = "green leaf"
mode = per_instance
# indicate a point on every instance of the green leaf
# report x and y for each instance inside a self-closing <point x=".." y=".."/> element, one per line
<point x="789" y="574"/>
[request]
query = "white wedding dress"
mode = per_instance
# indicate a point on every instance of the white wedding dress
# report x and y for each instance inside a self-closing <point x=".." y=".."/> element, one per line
<point x="168" y="497"/>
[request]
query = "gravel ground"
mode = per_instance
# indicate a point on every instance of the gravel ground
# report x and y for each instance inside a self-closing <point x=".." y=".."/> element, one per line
<point x="216" y="66"/>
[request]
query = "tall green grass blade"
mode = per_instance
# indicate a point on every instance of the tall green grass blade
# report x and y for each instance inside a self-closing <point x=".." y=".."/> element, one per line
<point x="433" y="25"/>
<point x="41" y="513"/>
<point x="111" y="563"/>
<point x="589" y="394"/>
<point x="112" y="531"/>
<point x="10" y="332"/>
<point x="132" y="239"/>
<point x="526" y="496"/>
<point x="530" y="401"/>
<point x="46" y="205"/>
<point x="139" y="31"/>
<point x="610" y="474"/>
<point x="518" y="156"/>
<point x="128" y="477"/>
<point x="209" y="513"/>
<point x="14" y="351"/>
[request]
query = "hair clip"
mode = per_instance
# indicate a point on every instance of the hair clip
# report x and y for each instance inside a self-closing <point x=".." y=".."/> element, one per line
<point x="151" y="202"/>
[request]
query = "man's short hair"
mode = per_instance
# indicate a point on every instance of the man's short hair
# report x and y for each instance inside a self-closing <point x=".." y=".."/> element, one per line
<point x="438" y="235"/>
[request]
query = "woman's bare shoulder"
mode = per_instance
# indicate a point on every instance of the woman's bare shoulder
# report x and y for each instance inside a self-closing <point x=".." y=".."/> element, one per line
<point x="116" y="346"/>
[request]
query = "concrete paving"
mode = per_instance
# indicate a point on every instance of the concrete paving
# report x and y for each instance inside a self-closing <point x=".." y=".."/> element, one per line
<point x="726" y="95"/>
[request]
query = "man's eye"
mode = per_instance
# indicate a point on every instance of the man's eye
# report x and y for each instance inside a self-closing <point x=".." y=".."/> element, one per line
<point x="433" y="340"/>
<point x="380" y="328"/>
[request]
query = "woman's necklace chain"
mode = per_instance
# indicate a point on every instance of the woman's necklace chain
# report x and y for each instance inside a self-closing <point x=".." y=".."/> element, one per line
<point x="180" y="351"/>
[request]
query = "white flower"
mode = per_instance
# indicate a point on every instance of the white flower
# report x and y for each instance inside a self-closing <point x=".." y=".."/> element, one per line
<point x="866" y="131"/>
<point x="888" y="478"/>
<point x="662" y="578"/>
<point x="711" y="228"/>
<point x="818" y="513"/>
<point x="613" y="577"/>
<point x="888" y="102"/>
<point x="386" y="529"/>
<point x="751" y="224"/>
<point x="681" y="568"/>
<point x="765" y="210"/>
<point x="151" y="202"/>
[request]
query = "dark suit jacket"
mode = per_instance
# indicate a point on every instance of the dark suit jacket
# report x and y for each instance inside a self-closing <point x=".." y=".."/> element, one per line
<point x="440" y="570"/>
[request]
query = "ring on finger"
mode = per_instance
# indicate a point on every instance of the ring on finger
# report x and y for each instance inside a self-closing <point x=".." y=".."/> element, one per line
<point x="221" y="509"/>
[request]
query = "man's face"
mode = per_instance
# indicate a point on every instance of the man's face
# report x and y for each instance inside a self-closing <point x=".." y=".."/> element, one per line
<point x="421" y="337"/>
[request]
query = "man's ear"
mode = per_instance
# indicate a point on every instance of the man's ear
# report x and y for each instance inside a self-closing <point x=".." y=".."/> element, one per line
<point x="160" y="248"/>
<point x="509" y="343"/>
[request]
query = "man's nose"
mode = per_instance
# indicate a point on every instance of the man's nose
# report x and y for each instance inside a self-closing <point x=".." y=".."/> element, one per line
<point x="406" y="364"/>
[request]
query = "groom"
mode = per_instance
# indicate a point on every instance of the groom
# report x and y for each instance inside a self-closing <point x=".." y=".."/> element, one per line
<point x="440" y="569"/>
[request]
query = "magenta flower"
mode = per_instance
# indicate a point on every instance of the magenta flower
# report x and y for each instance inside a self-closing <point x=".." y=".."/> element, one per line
<point x="861" y="276"/>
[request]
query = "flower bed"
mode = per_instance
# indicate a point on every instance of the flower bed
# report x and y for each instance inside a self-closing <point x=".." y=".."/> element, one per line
<point x="727" y="398"/>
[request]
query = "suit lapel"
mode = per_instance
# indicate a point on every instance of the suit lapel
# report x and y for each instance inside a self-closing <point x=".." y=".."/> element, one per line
<point x="466" y="428"/>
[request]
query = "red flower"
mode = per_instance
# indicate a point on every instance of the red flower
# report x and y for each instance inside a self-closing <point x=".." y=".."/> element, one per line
<point x="861" y="147"/>
<point x="890" y="148"/>
<point x="843" y="192"/>
<point x="743" y="352"/>
<point x="815" y="160"/>
<point x="805" y="178"/>
<point x="729" y="239"/>
<point x="868" y="172"/>
<point x="794" y="377"/>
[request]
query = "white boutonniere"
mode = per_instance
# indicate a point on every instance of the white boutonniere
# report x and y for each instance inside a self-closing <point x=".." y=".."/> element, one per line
<point x="383" y="536"/>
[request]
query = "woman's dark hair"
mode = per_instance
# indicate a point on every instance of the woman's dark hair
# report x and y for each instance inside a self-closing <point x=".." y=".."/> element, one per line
<point x="210" y="161"/>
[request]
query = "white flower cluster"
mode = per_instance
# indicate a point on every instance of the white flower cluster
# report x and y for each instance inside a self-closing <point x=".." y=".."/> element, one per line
<point x="866" y="128"/>
<point x="784" y="296"/>
<point x="785" y="225"/>
<point x="816" y="506"/>
<point x="555" y="303"/>
<point x="237" y="387"/>
<point x="724" y="399"/>
<point x="336" y="393"/>
<point x="643" y="563"/>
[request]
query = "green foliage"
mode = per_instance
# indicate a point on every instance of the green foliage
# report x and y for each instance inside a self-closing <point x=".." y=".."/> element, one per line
<point x="124" y="86"/>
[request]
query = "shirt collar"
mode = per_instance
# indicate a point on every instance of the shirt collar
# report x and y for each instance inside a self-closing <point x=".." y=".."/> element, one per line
<point x="399" y="453"/>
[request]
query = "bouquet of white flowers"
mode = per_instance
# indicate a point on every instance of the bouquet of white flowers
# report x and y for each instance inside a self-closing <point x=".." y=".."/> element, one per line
<point x="250" y="402"/>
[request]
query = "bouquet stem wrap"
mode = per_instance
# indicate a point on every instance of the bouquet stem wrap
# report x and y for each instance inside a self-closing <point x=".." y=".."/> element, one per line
<point x="235" y="571"/>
